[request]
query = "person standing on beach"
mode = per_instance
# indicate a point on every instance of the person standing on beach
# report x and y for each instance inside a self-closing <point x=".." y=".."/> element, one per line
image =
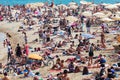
<point x="82" y="22"/>
<point x="4" y="43"/>
<point x="88" y="25"/>
<point x="103" y="39"/>
<point x="9" y="51"/>
<point x="69" y="30"/>
<point x="18" y="51"/>
<point x="91" y="53"/>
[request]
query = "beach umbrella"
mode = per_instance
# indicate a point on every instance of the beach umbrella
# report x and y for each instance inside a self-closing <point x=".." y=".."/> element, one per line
<point x="104" y="4"/>
<point x="55" y="7"/>
<point x="71" y="18"/>
<point x="106" y="20"/>
<point x="73" y="6"/>
<point x="35" y="56"/>
<point x="118" y="38"/>
<point x="91" y="7"/>
<point x="39" y="4"/>
<point x="116" y="18"/>
<point x="35" y="5"/>
<point x="117" y="4"/>
<point x="107" y="13"/>
<point x="111" y="7"/>
<point x="85" y="2"/>
<point x="87" y="13"/>
<point x="72" y="3"/>
<point x="99" y="14"/>
<point x="62" y="5"/>
<point x="118" y="12"/>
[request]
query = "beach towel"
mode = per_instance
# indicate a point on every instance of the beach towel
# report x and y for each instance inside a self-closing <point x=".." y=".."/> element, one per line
<point x="88" y="36"/>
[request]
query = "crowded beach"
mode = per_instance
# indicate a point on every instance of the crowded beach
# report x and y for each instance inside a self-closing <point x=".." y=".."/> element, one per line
<point x="60" y="42"/>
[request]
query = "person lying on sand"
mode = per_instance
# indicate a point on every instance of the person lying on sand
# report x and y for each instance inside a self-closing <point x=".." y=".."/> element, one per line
<point x="71" y="50"/>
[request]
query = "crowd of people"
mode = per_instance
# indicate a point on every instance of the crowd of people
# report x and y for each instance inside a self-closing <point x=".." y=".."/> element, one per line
<point x="49" y="29"/>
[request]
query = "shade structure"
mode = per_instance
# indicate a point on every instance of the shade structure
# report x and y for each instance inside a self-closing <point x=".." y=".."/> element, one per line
<point x="87" y="13"/>
<point x="99" y="14"/>
<point x="85" y="2"/>
<point x="111" y="7"/>
<point x="35" y="56"/>
<point x="71" y="18"/>
<point x="106" y="20"/>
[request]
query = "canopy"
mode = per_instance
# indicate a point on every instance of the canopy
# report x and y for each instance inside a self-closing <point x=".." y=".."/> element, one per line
<point x="99" y="14"/>
<point x="87" y="13"/>
<point x="35" y="56"/>
<point x="71" y="18"/>
<point x="107" y="20"/>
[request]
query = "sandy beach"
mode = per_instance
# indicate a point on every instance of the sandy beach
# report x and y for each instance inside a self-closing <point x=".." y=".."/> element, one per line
<point x="76" y="31"/>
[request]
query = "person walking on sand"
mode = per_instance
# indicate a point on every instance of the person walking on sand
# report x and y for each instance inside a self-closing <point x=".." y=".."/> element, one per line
<point x="18" y="51"/>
